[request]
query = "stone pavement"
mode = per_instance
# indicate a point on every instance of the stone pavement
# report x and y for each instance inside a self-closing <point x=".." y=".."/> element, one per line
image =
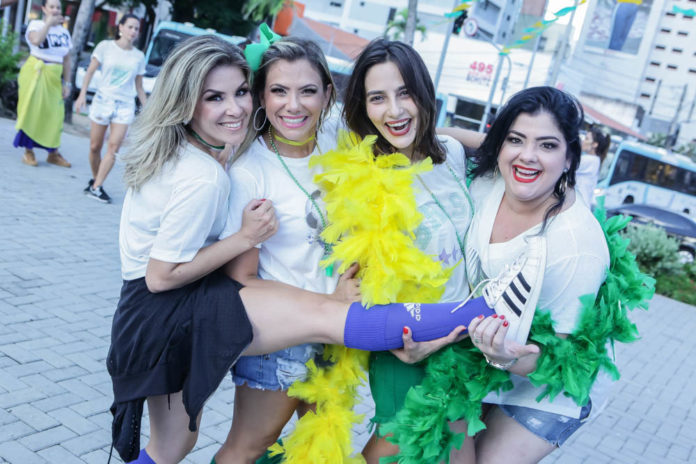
<point x="59" y="283"/>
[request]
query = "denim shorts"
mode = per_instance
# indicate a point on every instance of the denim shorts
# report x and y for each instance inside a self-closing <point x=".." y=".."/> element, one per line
<point x="552" y="428"/>
<point x="275" y="371"/>
<point x="106" y="109"/>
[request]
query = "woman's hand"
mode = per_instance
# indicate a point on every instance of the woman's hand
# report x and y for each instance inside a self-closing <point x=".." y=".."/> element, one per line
<point x="258" y="221"/>
<point x="55" y="20"/>
<point x="81" y="102"/>
<point x="348" y="288"/>
<point x="413" y="352"/>
<point x="488" y="335"/>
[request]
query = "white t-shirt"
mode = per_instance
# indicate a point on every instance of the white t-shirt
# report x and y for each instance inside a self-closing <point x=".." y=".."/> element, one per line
<point x="175" y="214"/>
<point x="55" y="46"/>
<point x="577" y="258"/>
<point x="586" y="177"/>
<point x="119" y="68"/>
<point x="293" y="253"/>
<point x="436" y="235"/>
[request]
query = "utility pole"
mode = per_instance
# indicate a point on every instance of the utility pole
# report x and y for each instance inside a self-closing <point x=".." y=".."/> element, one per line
<point x="657" y="90"/>
<point x="18" y="24"/>
<point x="562" y="48"/>
<point x="441" y="63"/>
<point x="673" y="138"/>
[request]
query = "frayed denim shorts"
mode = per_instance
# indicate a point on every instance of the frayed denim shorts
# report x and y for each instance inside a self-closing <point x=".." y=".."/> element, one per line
<point x="275" y="371"/>
<point x="552" y="428"/>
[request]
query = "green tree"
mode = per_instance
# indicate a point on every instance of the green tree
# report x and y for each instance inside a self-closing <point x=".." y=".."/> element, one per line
<point x="658" y="140"/>
<point x="224" y="16"/>
<point x="397" y="28"/>
<point x="259" y="10"/>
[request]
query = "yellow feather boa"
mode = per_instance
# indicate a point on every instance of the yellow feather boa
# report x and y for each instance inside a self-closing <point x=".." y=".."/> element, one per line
<point x="372" y="212"/>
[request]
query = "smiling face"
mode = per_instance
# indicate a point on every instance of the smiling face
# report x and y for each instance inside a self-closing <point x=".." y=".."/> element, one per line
<point x="51" y="8"/>
<point x="588" y="143"/>
<point x="294" y="98"/>
<point x="222" y="112"/>
<point x="391" y="107"/>
<point x="532" y="158"/>
<point x="129" y="30"/>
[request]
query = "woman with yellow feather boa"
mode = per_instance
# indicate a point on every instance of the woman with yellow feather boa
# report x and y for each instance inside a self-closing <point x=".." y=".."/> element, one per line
<point x="390" y="96"/>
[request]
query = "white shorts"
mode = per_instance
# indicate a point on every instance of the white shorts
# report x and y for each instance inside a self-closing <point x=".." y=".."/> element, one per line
<point x="106" y="109"/>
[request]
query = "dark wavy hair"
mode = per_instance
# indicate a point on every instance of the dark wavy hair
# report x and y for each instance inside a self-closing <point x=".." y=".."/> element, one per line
<point x="602" y="139"/>
<point x="418" y="83"/>
<point x="123" y="20"/>
<point x="565" y="109"/>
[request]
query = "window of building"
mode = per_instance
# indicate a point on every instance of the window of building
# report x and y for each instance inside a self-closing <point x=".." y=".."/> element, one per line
<point x="687" y="18"/>
<point x="665" y="30"/>
<point x="655" y="63"/>
<point x="683" y="33"/>
<point x="669" y="13"/>
<point x="336" y="4"/>
<point x="671" y="66"/>
<point x="649" y="79"/>
<point x="644" y="95"/>
<point x="677" y="50"/>
<point x="692" y="70"/>
<point x="659" y="47"/>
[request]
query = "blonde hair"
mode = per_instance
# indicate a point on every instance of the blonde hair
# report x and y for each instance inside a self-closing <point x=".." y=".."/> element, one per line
<point x="160" y="130"/>
<point x="290" y="49"/>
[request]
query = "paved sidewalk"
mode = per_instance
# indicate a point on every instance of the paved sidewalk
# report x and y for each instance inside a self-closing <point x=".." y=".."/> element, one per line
<point x="59" y="283"/>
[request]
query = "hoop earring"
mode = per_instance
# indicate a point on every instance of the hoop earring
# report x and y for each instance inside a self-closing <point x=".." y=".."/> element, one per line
<point x="562" y="184"/>
<point x="265" y="118"/>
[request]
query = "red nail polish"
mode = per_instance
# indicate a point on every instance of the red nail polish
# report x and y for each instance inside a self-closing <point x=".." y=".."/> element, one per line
<point x="495" y="316"/>
<point x="505" y="324"/>
<point x="480" y="316"/>
<point x="405" y="330"/>
<point x="263" y="199"/>
<point x="502" y="316"/>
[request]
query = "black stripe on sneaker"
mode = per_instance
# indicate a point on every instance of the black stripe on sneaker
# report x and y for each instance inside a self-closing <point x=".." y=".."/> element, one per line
<point x="523" y="282"/>
<point x="512" y="305"/>
<point x="519" y="295"/>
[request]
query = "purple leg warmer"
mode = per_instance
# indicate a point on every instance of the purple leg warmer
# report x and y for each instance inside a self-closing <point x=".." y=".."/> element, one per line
<point x="381" y="327"/>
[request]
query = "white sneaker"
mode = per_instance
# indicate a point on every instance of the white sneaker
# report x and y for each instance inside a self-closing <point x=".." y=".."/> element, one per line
<point x="515" y="292"/>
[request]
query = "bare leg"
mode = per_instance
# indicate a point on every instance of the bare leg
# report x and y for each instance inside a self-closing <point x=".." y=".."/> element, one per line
<point x="116" y="136"/>
<point x="466" y="454"/>
<point x="288" y="316"/>
<point x="96" y="140"/>
<point x="259" y="417"/>
<point x="170" y="438"/>
<point x="504" y="440"/>
<point x="376" y="448"/>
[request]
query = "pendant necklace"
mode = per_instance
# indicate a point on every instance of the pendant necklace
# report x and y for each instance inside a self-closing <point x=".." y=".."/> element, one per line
<point x="327" y="246"/>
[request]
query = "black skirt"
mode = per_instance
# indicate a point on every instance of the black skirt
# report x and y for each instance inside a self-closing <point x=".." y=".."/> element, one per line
<point x="183" y="339"/>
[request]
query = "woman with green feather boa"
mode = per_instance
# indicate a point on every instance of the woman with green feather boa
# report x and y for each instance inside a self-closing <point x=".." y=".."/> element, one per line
<point x="522" y="187"/>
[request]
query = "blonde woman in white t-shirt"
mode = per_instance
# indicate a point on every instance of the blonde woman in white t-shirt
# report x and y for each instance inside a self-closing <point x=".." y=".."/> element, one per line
<point x="113" y="105"/>
<point x="40" y="108"/>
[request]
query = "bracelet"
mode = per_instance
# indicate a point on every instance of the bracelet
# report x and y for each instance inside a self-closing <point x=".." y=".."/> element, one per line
<point x="502" y="366"/>
<point x="67" y="83"/>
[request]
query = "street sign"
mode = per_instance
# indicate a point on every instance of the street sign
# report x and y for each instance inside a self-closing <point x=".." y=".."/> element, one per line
<point x="470" y="27"/>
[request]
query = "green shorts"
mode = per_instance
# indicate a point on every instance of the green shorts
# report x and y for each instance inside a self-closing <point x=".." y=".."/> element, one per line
<point x="390" y="380"/>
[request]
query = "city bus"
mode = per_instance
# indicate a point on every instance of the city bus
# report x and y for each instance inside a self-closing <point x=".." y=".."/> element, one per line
<point x="644" y="174"/>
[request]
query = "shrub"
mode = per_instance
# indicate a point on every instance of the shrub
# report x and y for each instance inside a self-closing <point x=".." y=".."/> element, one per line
<point x="656" y="253"/>
<point x="9" y="61"/>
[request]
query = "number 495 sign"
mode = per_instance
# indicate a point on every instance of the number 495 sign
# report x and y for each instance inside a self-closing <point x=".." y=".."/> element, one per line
<point x="480" y="73"/>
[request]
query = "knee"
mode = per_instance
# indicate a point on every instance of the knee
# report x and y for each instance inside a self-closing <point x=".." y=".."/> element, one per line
<point x="95" y="148"/>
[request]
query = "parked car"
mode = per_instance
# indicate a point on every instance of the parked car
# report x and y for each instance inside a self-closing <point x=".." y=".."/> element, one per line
<point x="167" y="34"/>
<point x="677" y="225"/>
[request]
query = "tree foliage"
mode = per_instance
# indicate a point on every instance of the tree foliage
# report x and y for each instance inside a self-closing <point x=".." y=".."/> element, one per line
<point x="396" y="28"/>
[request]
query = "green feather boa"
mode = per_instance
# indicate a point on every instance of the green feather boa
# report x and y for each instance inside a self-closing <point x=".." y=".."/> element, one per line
<point x="458" y="377"/>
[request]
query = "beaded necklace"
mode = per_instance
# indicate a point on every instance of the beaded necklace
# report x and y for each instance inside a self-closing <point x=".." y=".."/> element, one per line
<point x="460" y="242"/>
<point x="200" y="139"/>
<point x="327" y="246"/>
